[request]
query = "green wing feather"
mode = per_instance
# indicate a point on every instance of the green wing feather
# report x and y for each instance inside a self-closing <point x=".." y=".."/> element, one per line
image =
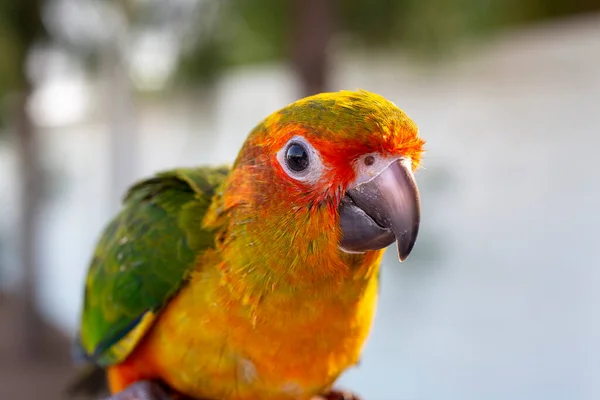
<point x="143" y="258"/>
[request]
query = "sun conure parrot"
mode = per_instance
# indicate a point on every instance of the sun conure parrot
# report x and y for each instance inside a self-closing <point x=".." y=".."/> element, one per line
<point x="257" y="281"/>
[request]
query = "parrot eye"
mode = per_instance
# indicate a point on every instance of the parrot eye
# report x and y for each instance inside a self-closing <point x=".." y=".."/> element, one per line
<point x="300" y="160"/>
<point x="296" y="157"/>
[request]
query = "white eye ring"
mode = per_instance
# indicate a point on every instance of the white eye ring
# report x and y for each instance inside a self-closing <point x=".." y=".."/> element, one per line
<point x="312" y="173"/>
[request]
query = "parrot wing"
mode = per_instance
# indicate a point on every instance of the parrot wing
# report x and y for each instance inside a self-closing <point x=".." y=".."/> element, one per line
<point x="144" y="256"/>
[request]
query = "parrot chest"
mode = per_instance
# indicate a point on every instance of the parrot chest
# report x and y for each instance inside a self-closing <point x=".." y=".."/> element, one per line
<point x="209" y="345"/>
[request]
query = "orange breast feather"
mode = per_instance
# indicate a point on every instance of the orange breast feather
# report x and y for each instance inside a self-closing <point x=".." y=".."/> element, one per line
<point x="210" y="342"/>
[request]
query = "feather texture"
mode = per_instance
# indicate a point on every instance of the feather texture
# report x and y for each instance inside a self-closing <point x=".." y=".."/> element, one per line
<point x="231" y="284"/>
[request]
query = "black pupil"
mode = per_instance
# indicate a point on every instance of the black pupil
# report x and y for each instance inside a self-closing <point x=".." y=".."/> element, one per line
<point x="296" y="157"/>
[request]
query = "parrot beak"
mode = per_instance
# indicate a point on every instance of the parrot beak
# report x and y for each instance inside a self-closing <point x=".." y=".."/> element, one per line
<point x="386" y="208"/>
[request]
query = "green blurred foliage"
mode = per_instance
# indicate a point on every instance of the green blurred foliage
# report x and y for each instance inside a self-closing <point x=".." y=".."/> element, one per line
<point x="10" y="69"/>
<point x="242" y="32"/>
<point x="260" y="31"/>
<point x="20" y="28"/>
<point x="255" y="31"/>
<point x="229" y="33"/>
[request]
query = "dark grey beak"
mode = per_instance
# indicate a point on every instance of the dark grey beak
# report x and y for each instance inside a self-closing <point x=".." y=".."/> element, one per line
<point x="387" y="208"/>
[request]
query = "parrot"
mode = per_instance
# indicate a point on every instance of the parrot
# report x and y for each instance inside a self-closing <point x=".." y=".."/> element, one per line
<point x="257" y="280"/>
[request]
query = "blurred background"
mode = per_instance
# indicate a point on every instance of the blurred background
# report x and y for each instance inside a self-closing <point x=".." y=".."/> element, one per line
<point x="499" y="299"/>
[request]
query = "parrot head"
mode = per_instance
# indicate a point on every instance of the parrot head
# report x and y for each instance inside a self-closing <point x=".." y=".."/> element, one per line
<point x="329" y="173"/>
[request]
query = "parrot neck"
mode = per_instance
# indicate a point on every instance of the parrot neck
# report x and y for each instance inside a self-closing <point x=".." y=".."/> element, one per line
<point x="285" y="252"/>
